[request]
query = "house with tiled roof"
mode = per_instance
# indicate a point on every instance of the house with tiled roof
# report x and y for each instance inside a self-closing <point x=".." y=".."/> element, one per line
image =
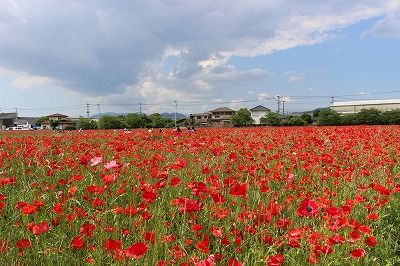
<point x="64" y="122"/>
<point x="258" y="112"/>
<point x="221" y="117"/>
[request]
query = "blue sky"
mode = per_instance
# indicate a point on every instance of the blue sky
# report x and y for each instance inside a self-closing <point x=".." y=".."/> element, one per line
<point x="56" y="57"/>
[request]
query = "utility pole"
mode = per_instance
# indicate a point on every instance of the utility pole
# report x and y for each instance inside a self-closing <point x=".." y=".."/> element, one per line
<point x="140" y="108"/>
<point x="176" y="110"/>
<point x="87" y="110"/>
<point x="279" y="103"/>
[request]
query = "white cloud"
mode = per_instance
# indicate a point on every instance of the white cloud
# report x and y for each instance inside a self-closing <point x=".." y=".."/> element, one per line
<point x="262" y="96"/>
<point x="389" y="27"/>
<point x="295" y="79"/>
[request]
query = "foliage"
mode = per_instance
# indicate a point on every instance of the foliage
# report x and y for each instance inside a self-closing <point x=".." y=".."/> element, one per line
<point x="271" y="119"/>
<point x="364" y="117"/>
<point x="293" y="121"/>
<point x="328" y="117"/>
<point x="157" y="121"/>
<point x="242" y="118"/>
<point x="111" y="122"/>
<point x="368" y="117"/>
<point x="307" y="118"/>
<point x="54" y="123"/>
<point x="136" y="120"/>
<point x="391" y="117"/>
<point x="42" y="120"/>
<point x="86" y="123"/>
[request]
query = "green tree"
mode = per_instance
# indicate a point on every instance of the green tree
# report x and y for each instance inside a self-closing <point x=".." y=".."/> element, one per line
<point x="294" y="121"/>
<point x="391" y="117"/>
<point x="136" y="120"/>
<point x="307" y="118"/>
<point x="328" y="117"/>
<point x="111" y="122"/>
<point x="54" y="123"/>
<point x="41" y="120"/>
<point x="271" y="119"/>
<point x="242" y="118"/>
<point x="86" y="123"/>
<point x="349" y="119"/>
<point x="158" y="121"/>
<point x="369" y="117"/>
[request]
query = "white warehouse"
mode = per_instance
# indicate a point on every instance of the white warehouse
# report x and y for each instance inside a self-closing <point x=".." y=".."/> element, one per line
<point x="352" y="107"/>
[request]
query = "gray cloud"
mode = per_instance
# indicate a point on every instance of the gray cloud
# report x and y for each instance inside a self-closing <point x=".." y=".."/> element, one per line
<point x="105" y="49"/>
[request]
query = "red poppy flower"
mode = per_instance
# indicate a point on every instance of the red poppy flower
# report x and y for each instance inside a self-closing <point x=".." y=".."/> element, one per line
<point x="136" y="251"/>
<point x="175" y="181"/>
<point x="371" y="241"/>
<point x="149" y="196"/>
<point x="111" y="244"/>
<point x="23" y="243"/>
<point x="238" y="190"/>
<point x="218" y="198"/>
<point x="308" y="207"/>
<point x="77" y="242"/>
<point x="357" y="253"/>
<point x="203" y="245"/>
<point x="276" y="260"/>
<point x="58" y="208"/>
<point x="87" y="229"/>
<point x="29" y="209"/>
<point x="234" y="262"/>
<point x="210" y="261"/>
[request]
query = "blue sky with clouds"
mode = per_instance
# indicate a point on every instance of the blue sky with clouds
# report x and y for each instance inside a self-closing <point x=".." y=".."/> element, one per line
<point x="55" y="56"/>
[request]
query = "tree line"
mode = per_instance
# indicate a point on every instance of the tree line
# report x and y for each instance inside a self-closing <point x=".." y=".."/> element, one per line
<point x="321" y="117"/>
<point x="131" y="120"/>
<point x="328" y="117"/>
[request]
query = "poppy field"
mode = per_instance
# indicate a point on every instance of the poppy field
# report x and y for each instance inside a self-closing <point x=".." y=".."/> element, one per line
<point x="247" y="196"/>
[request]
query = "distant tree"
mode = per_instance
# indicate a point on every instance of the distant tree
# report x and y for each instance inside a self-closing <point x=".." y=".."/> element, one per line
<point x="41" y="120"/>
<point x="391" y="117"/>
<point x="158" y="121"/>
<point x="54" y="123"/>
<point x="349" y="119"/>
<point x="111" y="122"/>
<point x="86" y="123"/>
<point x="271" y="119"/>
<point x="136" y="120"/>
<point x="242" y="118"/>
<point x="293" y="121"/>
<point x="369" y="117"/>
<point x="328" y="117"/>
<point x="307" y="118"/>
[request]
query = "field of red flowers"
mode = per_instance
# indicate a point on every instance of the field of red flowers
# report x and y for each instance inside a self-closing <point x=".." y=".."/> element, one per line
<point x="252" y="196"/>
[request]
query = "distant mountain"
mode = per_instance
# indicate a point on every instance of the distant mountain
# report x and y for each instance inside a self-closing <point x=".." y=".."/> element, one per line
<point x="107" y="113"/>
<point x="172" y="115"/>
<point x="165" y="115"/>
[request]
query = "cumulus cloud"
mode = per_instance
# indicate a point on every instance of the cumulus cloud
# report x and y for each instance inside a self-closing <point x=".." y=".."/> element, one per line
<point x="119" y="51"/>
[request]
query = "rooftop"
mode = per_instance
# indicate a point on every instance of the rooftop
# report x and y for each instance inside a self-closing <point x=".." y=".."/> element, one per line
<point x="366" y="102"/>
<point x="222" y="109"/>
<point x="260" y="108"/>
<point x="57" y="115"/>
